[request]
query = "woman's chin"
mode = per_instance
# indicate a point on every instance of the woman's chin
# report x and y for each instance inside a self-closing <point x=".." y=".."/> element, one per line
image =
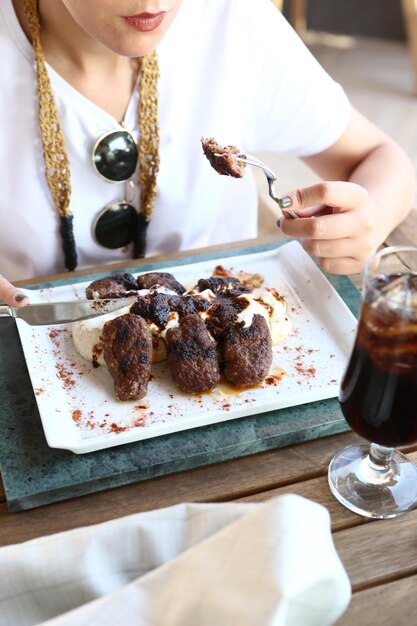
<point x="134" y="49"/>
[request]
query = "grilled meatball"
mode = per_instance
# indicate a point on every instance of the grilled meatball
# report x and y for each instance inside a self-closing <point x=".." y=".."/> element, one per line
<point x="158" y="307"/>
<point x="152" y="279"/>
<point x="223" y="313"/>
<point x="187" y="305"/>
<point x="246" y="352"/>
<point x="192" y="355"/>
<point x="221" y="158"/>
<point x="246" y="278"/>
<point x="127" y="343"/>
<point x="153" y="307"/>
<point x="223" y="286"/>
<point x="117" y="286"/>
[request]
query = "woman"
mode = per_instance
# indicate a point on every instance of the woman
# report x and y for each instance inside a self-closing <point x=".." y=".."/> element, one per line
<point x="231" y="69"/>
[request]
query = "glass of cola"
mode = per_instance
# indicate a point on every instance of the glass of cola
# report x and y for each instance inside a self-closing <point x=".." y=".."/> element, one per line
<point x="378" y="393"/>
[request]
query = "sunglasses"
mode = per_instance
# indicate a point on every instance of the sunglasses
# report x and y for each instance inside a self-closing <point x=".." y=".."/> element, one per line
<point x="115" y="157"/>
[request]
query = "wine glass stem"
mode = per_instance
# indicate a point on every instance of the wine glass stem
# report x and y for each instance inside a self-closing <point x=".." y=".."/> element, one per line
<point x="380" y="457"/>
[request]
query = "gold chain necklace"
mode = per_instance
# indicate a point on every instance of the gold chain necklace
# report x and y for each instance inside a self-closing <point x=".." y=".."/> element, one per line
<point x="57" y="166"/>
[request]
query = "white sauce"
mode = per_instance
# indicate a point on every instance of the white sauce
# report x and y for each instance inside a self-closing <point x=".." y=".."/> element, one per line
<point x="265" y="302"/>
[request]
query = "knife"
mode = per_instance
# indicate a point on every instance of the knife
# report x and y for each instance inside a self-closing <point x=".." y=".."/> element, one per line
<point x="63" y="312"/>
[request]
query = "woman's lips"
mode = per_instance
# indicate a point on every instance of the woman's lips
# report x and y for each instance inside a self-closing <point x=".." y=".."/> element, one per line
<point x="145" y="22"/>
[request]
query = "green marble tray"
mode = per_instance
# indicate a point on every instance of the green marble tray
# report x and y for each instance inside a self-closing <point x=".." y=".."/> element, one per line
<point x="34" y="474"/>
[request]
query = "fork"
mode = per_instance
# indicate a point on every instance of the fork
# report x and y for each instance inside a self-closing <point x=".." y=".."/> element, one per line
<point x="270" y="176"/>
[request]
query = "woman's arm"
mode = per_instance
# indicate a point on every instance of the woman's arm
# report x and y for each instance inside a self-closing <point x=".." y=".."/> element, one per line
<point x="352" y="219"/>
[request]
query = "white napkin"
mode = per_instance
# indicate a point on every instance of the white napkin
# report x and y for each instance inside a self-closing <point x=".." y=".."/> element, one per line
<point x="239" y="564"/>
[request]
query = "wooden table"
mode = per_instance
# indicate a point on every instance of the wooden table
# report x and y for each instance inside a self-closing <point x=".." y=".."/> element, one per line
<point x="380" y="556"/>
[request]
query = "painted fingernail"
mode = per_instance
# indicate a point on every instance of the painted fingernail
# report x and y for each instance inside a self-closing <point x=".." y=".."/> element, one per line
<point x="285" y="202"/>
<point x="279" y="222"/>
<point x="20" y="297"/>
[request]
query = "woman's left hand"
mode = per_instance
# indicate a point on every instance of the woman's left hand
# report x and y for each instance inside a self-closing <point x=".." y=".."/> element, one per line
<point x="335" y="224"/>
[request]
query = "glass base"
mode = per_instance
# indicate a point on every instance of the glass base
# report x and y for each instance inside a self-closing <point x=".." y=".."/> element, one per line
<point x="372" y="490"/>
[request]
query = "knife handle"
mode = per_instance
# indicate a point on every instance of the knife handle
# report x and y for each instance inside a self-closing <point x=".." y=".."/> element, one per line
<point x="6" y="311"/>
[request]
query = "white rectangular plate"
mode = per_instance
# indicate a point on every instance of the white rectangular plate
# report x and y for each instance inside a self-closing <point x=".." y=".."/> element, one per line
<point x="76" y="401"/>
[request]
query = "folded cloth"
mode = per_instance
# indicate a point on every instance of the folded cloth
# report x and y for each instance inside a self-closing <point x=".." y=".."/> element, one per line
<point x="240" y="564"/>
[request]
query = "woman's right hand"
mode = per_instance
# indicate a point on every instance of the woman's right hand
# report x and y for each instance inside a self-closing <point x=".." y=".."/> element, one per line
<point x="11" y="295"/>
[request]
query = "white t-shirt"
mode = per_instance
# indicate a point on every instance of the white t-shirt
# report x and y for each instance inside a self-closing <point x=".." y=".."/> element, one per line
<point x="227" y="71"/>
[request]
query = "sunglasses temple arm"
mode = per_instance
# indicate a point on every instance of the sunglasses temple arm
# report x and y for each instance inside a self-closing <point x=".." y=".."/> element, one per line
<point x="68" y="242"/>
<point x="139" y="239"/>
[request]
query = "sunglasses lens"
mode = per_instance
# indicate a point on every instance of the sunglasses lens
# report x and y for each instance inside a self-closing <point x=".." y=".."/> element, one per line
<point x="116" y="225"/>
<point x="116" y="155"/>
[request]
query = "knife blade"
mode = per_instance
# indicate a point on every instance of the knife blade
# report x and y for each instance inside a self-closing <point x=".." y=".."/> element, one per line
<point x="52" y="313"/>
